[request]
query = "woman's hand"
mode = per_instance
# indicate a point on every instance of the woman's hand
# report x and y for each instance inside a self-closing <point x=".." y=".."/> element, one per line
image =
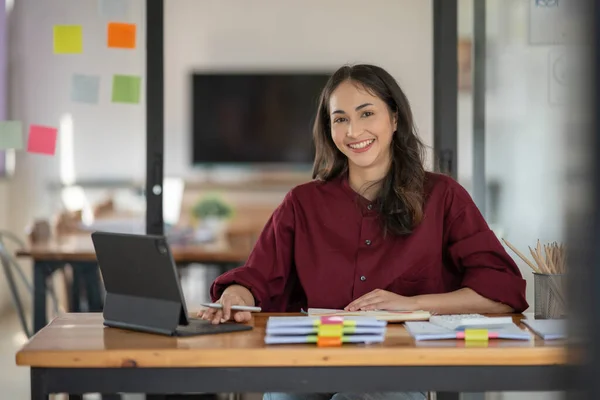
<point x="461" y="301"/>
<point x="234" y="295"/>
<point x="382" y="300"/>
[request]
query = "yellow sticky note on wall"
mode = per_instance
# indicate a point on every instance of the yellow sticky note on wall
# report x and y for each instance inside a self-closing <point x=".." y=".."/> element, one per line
<point x="68" y="39"/>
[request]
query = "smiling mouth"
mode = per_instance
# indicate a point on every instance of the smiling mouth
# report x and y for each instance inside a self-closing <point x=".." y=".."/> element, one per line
<point x="361" y="145"/>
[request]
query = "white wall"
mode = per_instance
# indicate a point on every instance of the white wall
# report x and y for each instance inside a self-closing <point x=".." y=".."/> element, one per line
<point x="109" y="139"/>
<point x="4" y="206"/>
<point x="311" y="34"/>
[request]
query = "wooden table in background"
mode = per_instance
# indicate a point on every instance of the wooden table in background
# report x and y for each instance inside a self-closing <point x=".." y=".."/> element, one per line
<point x="76" y="354"/>
<point x="78" y="251"/>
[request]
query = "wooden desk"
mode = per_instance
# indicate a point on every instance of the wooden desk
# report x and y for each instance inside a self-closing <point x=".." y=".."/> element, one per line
<point x="78" y="251"/>
<point x="76" y="354"/>
<point x="79" y="248"/>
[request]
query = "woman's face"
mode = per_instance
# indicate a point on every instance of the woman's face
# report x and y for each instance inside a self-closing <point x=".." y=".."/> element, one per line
<point x="361" y="126"/>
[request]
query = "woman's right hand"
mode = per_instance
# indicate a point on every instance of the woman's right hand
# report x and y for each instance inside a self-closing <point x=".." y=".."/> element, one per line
<point x="232" y="296"/>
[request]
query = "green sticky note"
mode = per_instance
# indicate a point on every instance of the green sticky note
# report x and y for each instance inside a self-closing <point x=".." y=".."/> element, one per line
<point x="11" y="135"/>
<point x="68" y="39"/>
<point x="126" y="89"/>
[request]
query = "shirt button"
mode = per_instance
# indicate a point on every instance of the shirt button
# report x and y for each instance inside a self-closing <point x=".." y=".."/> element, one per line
<point x="368" y="242"/>
<point x="370" y="207"/>
<point x="363" y="278"/>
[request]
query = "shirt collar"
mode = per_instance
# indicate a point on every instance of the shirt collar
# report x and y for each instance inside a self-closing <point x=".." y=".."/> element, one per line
<point x="363" y="203"/>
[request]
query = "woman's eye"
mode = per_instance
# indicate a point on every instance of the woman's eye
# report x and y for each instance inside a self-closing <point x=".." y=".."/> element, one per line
<point x="367" y="114"/>
<point x="341" y="119"/>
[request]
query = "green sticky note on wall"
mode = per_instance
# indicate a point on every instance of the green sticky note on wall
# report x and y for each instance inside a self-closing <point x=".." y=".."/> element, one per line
<point x="126" y="89"/>
<point x="68" y="39"/>
<point x="11" y="135"/>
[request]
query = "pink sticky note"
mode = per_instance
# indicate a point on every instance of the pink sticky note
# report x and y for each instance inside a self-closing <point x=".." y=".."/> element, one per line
<point x="332" y="320"/>
<point x="42" y="139"/>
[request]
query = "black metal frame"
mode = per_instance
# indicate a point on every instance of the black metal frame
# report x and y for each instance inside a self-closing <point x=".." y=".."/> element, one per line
<point x="592" y="369"/>
<point x="445" y="86"/>
<point x="154" y="115"/>
<point x="479" y="90"/>
<point x="583" y="226"/>
<point x="445" y="102"/>
<point x="296" y="379"/>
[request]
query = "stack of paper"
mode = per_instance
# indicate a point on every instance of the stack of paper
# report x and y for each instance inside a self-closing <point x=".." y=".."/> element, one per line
<point x="382" y="315"/>
<point x="285" y="330"/>
<point x="429" y="331"/>
<point x="548" y="329"/>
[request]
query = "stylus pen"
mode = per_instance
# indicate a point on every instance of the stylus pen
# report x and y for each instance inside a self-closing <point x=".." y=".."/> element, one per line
<point x="233" y="308"/>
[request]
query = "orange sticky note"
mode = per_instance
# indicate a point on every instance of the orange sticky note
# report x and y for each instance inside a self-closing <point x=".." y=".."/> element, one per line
<point x="42" y="139"/>
<point x="326" y="341"/>
<point x="121" y="35"/>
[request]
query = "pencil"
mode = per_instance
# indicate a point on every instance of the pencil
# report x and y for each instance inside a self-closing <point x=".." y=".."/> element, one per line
<point x="533" y="267"/>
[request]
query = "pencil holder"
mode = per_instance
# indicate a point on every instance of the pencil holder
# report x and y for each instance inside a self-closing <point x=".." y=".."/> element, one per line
<point x="549" y="291"/>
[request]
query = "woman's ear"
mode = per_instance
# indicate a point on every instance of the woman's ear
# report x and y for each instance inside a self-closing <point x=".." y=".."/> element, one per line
<point x="395" y="121"/>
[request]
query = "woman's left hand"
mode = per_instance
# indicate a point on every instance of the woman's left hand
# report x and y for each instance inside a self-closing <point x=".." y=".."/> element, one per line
<point x="382" y="300"/>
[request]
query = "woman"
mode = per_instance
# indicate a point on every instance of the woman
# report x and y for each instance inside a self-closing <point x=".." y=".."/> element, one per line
<point x="373" y="230"/>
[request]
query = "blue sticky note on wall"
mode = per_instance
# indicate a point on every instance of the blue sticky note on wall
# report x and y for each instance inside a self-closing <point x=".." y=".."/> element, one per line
<point x="85" y="88"/>
<point x="11" y="135"/>
<point x="114" y="9"/>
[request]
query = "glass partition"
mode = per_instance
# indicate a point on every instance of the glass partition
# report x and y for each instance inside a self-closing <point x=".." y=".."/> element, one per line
<point x="77" y="93"/>
<point x="241" y="89"/>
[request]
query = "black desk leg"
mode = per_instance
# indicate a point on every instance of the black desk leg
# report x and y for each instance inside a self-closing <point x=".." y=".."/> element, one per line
<point x="75" y="302"/>
<point x="447" y="396"/>
<point x="88" y="275"/>
<point x="91" y="277"/>
<point x="38" y="386"/>
<point x="41" y="271"/>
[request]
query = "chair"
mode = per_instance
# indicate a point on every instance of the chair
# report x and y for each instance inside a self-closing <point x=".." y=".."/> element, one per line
<point x="10" y="266"/>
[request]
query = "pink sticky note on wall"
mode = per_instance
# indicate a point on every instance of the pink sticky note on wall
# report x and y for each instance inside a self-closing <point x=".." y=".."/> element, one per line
<point x="42" y="139"/>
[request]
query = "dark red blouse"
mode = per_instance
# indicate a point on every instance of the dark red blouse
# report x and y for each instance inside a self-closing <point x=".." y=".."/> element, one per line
<point x="324" y="247"/>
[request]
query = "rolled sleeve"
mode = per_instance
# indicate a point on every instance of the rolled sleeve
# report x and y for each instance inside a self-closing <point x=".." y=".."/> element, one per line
<point x="244" y="276"/>
<point x="483" y="262"/>
<point x="489" y="270"/>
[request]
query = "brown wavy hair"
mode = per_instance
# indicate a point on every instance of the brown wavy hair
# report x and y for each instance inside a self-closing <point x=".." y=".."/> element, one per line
<point x="401" y="195"/>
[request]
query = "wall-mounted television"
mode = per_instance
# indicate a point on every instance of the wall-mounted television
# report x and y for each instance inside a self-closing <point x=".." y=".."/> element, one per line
<point x="247" y="118"/>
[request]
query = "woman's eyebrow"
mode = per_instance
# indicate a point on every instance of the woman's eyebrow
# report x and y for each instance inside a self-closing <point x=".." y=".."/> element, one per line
<point x="356" y="109"/>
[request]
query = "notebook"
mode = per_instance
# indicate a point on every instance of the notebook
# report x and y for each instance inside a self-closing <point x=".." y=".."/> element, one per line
<point x="548" y="329"/>
<point x="314" y="321"/>
<point x="382" y="315"/>
<point x="365" y="339"/>
<point x="428" y="331"/>
<point x="308" y="330"/>
<point x="352" y="329"/>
